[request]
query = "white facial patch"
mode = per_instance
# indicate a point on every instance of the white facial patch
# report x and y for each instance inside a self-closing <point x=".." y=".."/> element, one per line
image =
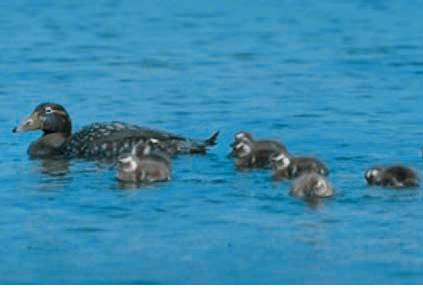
<point x="321" y="184"/>
<point x="282" y="161"/>
<point x="240" y="136"/>
<point x="128" y="164"/>
<point x="279" y="157"/>
<point x="154" y="141"/>
<point x="243" y="149"/>
<point x="286" y="162"/>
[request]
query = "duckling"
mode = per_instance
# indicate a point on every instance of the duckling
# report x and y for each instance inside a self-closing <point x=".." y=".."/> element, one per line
<point x="145" y="164"/>
<point x="250" y="153"/>
<point x="285" y="166"/>
<point x="396" y="176"/>
<point x="310" y="185"/>
<point x="98" y="140"/>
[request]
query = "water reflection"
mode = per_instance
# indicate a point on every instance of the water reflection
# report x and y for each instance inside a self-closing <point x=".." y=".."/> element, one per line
<point x="54" y="167"/>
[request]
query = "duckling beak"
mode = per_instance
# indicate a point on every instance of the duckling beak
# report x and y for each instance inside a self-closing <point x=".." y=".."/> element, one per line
<point x="31" y="123"/>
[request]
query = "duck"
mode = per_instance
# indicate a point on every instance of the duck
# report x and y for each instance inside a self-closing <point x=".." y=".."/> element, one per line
<point x="394" y="176"/>
<point x="311" y="185"/>
<point x="147" y="163"/>
<point x="250" y="153"/>
<point x="286" y="166"/>
<point x="105" y="140"/>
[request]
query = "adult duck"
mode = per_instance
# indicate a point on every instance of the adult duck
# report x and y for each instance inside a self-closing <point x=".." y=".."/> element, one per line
<point x="98" y="140"/>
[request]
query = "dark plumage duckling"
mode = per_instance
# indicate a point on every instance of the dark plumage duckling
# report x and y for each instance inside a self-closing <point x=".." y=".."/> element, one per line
<point x="98" y="140"/>
<point x="396" y="176"/>
<point x="285" y="166"/>
<point x="145" y="164"/>
<point x="310" y="185"/>
<point x="250" y="153"/>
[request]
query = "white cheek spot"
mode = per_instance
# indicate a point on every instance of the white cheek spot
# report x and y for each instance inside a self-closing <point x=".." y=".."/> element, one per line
<point x="374" y="172"/>
<point x="320" y="184"/>
<point x="154" y="141"/>
<point x="244" y="149"/>
<point x="132" y="166"/>
<point x="286" y="162"/>
<point x="279" y="157"/>
<point x="128" y="164"/>
<point x="240" y="136"/>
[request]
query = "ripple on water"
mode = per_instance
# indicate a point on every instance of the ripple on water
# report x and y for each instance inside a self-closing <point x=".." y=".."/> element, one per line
<point x="343" y="92"/>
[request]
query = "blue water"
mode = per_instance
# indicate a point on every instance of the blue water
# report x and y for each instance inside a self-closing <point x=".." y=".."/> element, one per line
<point x="340" y="80"/>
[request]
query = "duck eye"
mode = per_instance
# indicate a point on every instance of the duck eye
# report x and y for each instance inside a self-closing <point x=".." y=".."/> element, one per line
<point x="48" y="110"/>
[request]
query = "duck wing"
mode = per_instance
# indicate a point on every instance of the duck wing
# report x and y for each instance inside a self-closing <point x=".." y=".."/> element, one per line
<point x="111" y="139"/>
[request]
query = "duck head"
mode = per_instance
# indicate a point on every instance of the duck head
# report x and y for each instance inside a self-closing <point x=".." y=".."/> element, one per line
<point x="48" y="117"/>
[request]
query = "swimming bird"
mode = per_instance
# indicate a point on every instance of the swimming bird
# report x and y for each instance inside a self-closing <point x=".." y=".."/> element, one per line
<point x="250" y="153"/>
<point x="310" y="185"/>
<point x="145" y="164"/>
<point x="97" y="140"/>
<point x="395" y="176"/>
<point x="285" y="166"/>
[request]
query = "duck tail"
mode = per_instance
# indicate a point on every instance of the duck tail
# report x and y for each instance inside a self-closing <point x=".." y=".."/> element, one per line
<point x="212" y="140"/>
<point x="200" y="146"/>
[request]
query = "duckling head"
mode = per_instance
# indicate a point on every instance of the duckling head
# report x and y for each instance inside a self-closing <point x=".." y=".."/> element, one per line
<point x="243" y="150"/>
<point x="322" y="188"/>
<point x="242" y="136"/>
<point x="373" y="175"/>
<point x="280" y="162"/>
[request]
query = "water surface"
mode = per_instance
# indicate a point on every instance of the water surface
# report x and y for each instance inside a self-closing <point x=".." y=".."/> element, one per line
<point x="340" y="80"/>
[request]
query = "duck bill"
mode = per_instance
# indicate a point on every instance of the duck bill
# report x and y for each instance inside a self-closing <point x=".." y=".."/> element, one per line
<point x="29" y="124"/>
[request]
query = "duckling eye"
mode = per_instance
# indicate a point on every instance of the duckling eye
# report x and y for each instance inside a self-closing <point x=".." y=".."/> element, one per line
<point x="48" y="110"/>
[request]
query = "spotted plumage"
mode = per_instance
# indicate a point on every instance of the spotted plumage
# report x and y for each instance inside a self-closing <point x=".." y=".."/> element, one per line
<point x="97" y="140"/>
